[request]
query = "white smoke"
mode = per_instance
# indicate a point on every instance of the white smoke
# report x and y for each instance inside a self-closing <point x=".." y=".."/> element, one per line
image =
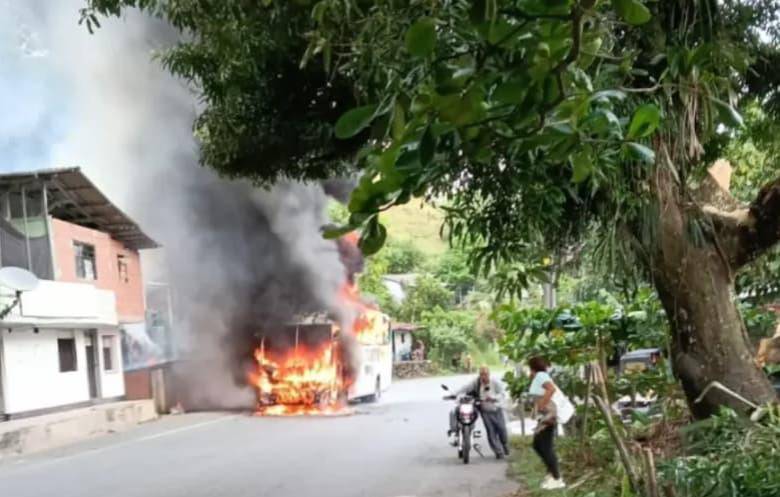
<point x="235" y="256"/>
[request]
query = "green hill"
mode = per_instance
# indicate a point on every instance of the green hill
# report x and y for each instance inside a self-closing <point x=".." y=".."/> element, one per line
<point x="418" y="223"/>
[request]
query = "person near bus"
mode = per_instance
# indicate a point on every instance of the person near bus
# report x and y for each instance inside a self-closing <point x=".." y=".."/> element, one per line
<point x="490" y="393"/>
<point x="554" y="408"/>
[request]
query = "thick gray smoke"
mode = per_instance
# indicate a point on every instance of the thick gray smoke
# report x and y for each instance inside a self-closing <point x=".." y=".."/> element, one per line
<point x="237" y="258"/>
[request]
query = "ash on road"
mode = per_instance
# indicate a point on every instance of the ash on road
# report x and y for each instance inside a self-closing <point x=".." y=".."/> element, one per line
<point x="394" y="448"/>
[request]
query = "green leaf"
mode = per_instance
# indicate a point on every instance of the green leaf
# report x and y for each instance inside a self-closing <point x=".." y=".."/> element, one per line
<point x="632" y="11"/>
<point x="728" y="114"/>
<point x="582" y="166"/>
<point x="427" y="147"/>
<point x="354" y="121"/>
<point x="399" y="122"/>
<point x="645" y="121"/>
<point x="373" y="238"/>
<point x="511" y="92"/>
<point x="420" y="39"/>
<point x="640" y="152"/>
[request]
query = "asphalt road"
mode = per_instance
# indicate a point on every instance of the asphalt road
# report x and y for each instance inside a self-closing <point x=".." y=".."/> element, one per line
<point x="394" y="448"/>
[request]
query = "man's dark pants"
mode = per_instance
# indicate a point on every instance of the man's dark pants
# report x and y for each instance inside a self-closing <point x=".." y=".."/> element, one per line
<point x="495" y="426"/>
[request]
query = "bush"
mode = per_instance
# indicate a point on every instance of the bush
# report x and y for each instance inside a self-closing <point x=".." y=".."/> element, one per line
<point x="728" y="456"/>
<point x="446" y="344"/>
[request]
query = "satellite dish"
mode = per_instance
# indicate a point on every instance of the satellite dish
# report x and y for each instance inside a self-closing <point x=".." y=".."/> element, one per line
<point x="18" y="279"/>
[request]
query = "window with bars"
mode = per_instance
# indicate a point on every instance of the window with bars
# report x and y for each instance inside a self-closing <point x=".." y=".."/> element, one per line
<point x="86" y="268"/>
<point x="121" y="263"/>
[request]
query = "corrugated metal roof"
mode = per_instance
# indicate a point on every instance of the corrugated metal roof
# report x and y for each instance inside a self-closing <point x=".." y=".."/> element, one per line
<point x="74" y="198"/>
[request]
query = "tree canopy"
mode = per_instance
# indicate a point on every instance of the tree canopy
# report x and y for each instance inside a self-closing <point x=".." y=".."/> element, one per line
<point x="536" y="110"/>
<point x="538" y="123"/>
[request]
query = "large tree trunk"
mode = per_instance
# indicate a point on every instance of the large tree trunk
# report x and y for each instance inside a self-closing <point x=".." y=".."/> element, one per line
<point x="709" y="341"/>
<point x="695" y="282"/>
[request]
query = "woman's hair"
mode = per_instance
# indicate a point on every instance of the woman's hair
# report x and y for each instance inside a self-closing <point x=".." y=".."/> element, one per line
<point x="538" y="364"/>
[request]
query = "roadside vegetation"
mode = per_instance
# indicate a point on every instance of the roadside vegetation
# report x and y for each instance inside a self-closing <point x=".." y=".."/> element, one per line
<point x="619" y="444"/>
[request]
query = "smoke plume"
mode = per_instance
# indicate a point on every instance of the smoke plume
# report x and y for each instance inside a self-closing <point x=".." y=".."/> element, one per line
<point x="237" y="259"/>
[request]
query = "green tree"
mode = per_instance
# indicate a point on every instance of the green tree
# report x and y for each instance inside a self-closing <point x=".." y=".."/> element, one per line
<point x="756" y="153"/>
<point x="539" y="120"/>
<point x="454" y="270"/>
<point x="371" y="283"/>
<point x="427" y="294"/>
<point x="403" y="257"/>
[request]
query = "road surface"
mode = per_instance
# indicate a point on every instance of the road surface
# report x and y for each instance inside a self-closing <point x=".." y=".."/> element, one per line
<point x="395" y="448"/>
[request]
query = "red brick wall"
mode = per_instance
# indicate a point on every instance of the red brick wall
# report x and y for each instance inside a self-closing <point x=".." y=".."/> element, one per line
<point x="138" y="385"/>
<point x="129" y="295"/>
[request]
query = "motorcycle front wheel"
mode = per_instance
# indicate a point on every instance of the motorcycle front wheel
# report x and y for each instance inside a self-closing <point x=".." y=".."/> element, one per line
<point x="466" y="444"/>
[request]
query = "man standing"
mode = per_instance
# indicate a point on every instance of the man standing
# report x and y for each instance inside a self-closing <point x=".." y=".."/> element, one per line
<point x="490" y="393"/>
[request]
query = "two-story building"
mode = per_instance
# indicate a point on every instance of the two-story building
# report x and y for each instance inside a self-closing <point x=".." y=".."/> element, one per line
<point x="61" y="345"/>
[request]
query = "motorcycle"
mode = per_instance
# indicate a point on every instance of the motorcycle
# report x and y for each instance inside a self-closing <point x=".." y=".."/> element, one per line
<point x="466" y="414"/>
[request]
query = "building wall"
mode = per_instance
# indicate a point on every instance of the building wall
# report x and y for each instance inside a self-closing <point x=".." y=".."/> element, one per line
<point x="138" y="384"/>
<point x="112" y="383"/>
<point x="31" y="371"/>
<point x="129" y="295"/>
<point x="32" y="379"/>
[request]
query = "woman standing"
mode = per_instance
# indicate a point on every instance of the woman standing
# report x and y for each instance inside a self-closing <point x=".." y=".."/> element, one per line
<point x="543" y="389"/>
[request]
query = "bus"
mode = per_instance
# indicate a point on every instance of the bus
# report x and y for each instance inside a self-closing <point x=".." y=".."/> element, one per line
<point x="375" y="350"/>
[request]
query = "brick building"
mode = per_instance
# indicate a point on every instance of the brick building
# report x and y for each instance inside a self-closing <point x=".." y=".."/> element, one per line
<point x="61" y="345"/>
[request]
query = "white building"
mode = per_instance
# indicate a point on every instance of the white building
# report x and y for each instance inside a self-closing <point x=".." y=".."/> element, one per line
<point x="60" y="347"/>
<point x="61" y="344"/>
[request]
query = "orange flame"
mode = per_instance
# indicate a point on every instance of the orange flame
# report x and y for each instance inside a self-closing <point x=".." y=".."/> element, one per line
<point x="306" y="381"/>
<point x="300" y="381"/>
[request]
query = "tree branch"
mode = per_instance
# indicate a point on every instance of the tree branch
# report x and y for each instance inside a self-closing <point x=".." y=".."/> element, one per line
<point x="762" y="229"/>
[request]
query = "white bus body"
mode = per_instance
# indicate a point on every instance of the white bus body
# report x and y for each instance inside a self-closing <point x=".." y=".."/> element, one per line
<point x="375" y="374"/>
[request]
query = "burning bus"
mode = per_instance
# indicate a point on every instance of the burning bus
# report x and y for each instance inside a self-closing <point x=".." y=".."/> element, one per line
<point x="311" y="368"/>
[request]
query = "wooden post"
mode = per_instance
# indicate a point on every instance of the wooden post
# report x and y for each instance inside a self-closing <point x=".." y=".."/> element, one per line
<point x="651" y="481"/>
<point x="588" y="386"/>
<point x="522" y="415"/>
<point x="622" y="451"/>
<point x="602" y="362"/>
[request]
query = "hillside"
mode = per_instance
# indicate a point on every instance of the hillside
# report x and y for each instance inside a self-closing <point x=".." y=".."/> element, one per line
<point x="419" y="223"/>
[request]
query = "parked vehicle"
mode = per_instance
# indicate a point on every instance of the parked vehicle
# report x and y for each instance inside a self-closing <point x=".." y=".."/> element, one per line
<point x="466" y="413"/>
<point x="637" y="361"/>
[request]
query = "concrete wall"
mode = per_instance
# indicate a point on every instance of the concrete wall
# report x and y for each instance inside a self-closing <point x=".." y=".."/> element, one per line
<point x="29" y="435"/>
<point x="412" y="369"/>
<point x="129" y="295"/>
<point x="32" y="377"/>
<point x="64" y="305"/>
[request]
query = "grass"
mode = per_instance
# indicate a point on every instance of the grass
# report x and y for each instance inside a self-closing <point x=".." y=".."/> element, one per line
<point x="418" y="223"/>
<point x="527" y="469"/>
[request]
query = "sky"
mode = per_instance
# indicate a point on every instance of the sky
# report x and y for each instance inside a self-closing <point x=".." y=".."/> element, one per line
<point x="69" y="98"/>
<point x="33" y="95"/>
